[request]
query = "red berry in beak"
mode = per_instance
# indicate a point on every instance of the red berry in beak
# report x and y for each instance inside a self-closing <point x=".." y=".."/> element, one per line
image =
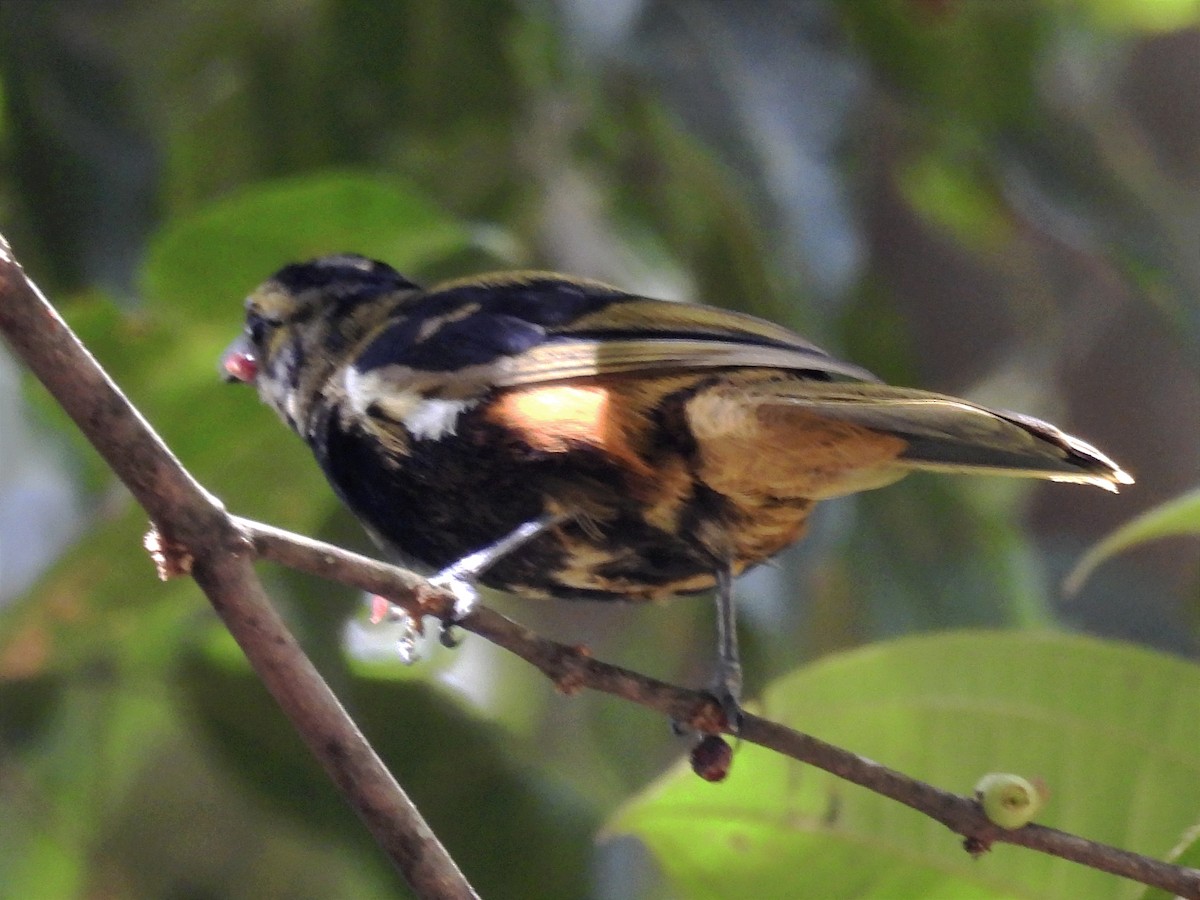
<point x="239" y="362"/>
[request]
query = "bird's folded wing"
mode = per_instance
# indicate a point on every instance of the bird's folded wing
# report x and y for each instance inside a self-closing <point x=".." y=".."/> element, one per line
<point x="566" y="358"/>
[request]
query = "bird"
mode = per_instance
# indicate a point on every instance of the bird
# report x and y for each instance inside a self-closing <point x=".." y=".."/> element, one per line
<point x="556" y="437"/>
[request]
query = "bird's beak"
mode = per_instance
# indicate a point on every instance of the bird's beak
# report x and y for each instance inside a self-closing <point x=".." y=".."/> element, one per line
<point x="238" y="362"/>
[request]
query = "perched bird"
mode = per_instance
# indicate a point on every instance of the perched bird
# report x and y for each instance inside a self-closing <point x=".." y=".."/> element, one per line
<point x="560" y="438"/>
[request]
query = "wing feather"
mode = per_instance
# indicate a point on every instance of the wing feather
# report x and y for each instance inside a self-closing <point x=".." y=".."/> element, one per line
<point x="556" y="360"/>
<point x="640" y="334"/>
<point x="528" y="328"/>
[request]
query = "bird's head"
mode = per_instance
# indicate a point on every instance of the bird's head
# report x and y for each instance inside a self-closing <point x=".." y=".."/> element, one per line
<point x="301" y="323"/>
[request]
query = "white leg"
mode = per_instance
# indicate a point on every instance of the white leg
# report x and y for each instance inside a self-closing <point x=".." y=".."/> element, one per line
<point x="727" y="682"/>
<point x="459" y="577"/>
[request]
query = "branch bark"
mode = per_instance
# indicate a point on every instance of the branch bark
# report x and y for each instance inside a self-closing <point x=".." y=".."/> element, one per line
<point x="573" y="669"/>
<point x="196" y="532"/>
<point x="219" y="549"/>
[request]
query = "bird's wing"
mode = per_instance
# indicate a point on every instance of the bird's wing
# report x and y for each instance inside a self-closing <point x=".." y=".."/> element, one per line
<point x="532" y="328"/>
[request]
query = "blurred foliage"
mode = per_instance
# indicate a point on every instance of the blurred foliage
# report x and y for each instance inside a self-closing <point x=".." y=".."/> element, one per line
<point x="989" y="198"/>
<point x="1180" y="516"/>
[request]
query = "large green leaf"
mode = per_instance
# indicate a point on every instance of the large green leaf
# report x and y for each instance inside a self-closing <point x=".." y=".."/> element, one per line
<point x="1113" y="730"/>
<point x="228" y="248"/>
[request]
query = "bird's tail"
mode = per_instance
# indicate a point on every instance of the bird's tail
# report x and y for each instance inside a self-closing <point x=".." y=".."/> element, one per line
<point x="946" y="434"/>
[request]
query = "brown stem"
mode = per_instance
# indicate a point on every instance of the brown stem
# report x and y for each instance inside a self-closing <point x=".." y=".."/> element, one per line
<point x="197" y="534"/>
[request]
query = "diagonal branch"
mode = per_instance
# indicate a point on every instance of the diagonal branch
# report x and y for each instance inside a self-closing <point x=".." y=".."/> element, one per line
<point x="573" y="669"/>
<point x="194" y="528"/>
<point x="195" y="532"/>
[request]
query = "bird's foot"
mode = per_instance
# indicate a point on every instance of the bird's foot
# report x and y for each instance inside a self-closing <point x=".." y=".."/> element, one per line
<point x="384" y="610"/>
<point x="726" y="689"/>
<point x="457" y="581"/>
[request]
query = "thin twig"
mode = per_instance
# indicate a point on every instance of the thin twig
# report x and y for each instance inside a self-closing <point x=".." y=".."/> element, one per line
<point x="571" y="668"/>
<point x="196" y="534"/>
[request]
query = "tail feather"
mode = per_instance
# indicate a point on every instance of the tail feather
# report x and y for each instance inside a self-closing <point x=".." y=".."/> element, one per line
<point x="1025" y="447"/>
<point x="951" y="435"/>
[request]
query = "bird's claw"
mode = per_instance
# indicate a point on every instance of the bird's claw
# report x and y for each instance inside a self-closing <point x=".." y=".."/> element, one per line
<point x="727" y="691"/>
<point x="466" y="599"/>
<point x="383" y="611"/>
<point x="731" y="707"/>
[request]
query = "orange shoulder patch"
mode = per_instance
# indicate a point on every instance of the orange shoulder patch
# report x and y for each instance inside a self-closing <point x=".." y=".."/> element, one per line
<point x="555" y="417"/>
<point x="558" y="418"/>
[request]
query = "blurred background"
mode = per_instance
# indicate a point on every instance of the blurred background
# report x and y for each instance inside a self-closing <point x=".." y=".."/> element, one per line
<point x="993" y="198"/>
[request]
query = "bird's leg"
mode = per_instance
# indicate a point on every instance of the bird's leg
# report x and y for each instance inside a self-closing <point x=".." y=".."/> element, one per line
<point x="727" y="681"/>
<point x="459" y="578"/>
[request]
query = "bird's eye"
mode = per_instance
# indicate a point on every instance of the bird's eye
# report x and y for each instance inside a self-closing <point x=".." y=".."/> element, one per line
<point x="258" y="327"/>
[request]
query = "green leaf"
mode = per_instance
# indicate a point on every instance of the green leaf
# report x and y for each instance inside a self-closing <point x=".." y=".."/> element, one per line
<point x="1180" y="516"/>
<point x="222" y="252"/>
<point x="1111" y="729"/>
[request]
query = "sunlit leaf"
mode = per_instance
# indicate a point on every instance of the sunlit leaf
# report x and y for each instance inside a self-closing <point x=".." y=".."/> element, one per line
<point x="1112" y="730"/>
